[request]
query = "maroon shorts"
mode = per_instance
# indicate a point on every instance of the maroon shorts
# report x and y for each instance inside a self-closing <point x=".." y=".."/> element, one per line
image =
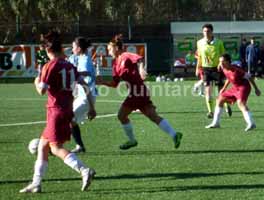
<point x="237" y="93"/>
<point x="137" y="102"/>
<point x="58" y="128"/>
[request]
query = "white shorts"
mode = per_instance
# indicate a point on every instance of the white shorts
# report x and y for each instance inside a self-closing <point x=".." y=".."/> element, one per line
<point x="81" y="108"/>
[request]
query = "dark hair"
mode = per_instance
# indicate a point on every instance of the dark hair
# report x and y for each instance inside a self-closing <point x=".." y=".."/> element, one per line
<point x="117" y="40"/>
<point x="52" y="41"/>
<point x="209" y="26"/>
<point x="227" y="57"/>
<point x="82" y="43"/>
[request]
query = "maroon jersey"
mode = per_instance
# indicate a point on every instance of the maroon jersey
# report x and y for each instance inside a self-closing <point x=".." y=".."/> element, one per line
<point x="59" y="75"/>
<point x="240" y="89"/>
<point x="125" y="68"/>
<point x="236" y="76"/>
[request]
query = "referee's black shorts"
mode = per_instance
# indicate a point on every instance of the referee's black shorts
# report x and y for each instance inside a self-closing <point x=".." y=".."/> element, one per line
<point x="211" y="74"/>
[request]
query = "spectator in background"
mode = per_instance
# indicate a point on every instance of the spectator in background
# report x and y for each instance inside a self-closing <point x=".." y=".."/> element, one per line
<point x="190" y="60"/>
<point x="242" y="53"/>
<point x="261" y="61"/>
<point x="252" y="56"/>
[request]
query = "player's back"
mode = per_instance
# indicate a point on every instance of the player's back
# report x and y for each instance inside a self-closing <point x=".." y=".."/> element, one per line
<point x="60" y="76"/>
<point x="236" y="76"/>
<point x="126" y="67"/>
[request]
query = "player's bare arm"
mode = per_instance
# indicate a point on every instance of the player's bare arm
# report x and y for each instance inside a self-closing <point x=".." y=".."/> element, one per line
<point x="41" y="89"/>
<point x="227" y="82"/>
<point x="143" y="73"/>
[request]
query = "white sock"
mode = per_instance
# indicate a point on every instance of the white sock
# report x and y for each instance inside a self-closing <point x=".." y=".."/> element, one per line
<point x="128" y="128"/>
<point x="39" y="171"/>
<point x="248" y="117"/>
<point x="166" y="127"/>
<point x="217" y="115"/>
<point x="198" y="84"/>
<point x="73" y="162"/>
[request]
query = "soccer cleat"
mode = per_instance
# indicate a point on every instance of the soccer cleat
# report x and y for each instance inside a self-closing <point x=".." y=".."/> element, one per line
<point x="31" y="188"/>
<point x="87" y="177"/>
<point x="250" y="127"/>
<point x="210" y="115"/>
<point x="213" y="126"/>
<point x="229" y="110"/>
<point x="78" y="149"/>
<point x="128" y="145"/>
<point x="177" y="140"/>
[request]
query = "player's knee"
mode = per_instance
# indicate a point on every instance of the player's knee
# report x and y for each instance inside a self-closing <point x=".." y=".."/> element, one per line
<point x="122" y="118"/>
<point x="54" y="149"/>
<point x="220" y="101"/>
<point x="241" y="105"/>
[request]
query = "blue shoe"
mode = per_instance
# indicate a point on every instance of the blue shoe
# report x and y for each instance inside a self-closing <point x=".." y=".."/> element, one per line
<point x="128" y="145"/>
<point x="250" y="127"/>
<point x="177" y="140"/>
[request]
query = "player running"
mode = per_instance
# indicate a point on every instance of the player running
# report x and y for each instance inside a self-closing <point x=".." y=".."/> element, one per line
<point x="57" y="78"/>
<point x="239" y="92"/>
<point x="129" y="67"/>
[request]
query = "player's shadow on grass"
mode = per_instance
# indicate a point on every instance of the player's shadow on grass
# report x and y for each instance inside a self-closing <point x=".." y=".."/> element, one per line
<point x="10" y="142"/>
<point x="173" y="152"/>
<point x="117" y="191"/>
<point x="151" y="176"/>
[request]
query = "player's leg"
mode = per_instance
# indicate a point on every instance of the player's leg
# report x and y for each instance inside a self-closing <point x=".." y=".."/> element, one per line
<point x="150" y="112"/>
<point x="40" y="167"/>
<point x="220" y="84"/>
<point x="76" y="134"/>
<point x="209" y="99"/>
<point x="74" y="162"/>
<point x="80" y="109"/>
<point x="247" y="115"/>
<point x="208" y="92"/>
<point x="217" y="112"/>
<point x="127" y="126"/>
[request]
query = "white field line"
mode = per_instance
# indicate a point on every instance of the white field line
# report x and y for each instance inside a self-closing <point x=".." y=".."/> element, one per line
<point x="44" y="99"/>
<point x="43" y="122"/>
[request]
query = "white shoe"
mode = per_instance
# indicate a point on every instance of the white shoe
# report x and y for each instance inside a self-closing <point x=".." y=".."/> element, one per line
<point x="213" y="126"/>
<point x="31" y="188"/>
<point x="250" y="127"/>
<point x="87" y="177"/>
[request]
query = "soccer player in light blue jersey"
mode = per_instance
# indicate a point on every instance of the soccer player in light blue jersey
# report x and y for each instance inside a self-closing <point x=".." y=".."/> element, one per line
<point x="81" y="105"/>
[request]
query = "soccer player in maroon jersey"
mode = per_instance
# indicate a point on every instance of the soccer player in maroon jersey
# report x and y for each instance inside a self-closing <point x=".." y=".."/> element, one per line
<point x="239" y="92"/>
<point x="57" y="79"/>
<point x="129" y="67"/>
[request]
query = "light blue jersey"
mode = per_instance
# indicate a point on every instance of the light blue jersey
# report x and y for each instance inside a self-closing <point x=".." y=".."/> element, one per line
<point x="84" y="64"/>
